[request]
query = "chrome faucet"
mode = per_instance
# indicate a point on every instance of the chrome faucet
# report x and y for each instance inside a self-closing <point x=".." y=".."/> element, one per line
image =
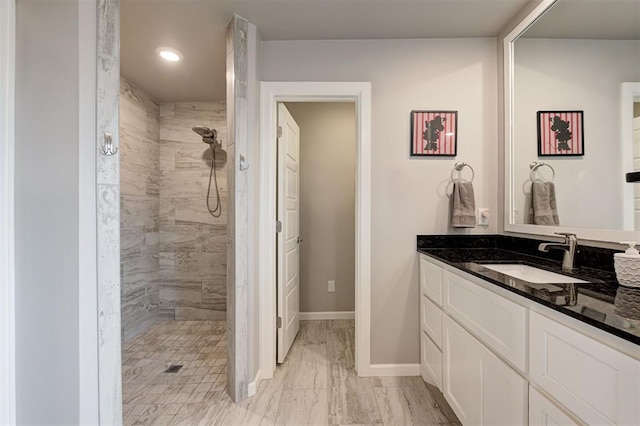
<point x="569" y="247"/>
<point x="569" y="291"/>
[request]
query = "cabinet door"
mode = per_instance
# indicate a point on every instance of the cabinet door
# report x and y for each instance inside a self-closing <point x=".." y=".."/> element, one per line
<point x="481" y="388"/>
<point x="431" y="361"/>
<point x="431" y="320"/>
<point x="595" y="382"/>
<point x="431" y="280"/>
<point x="503" y="392"/>
<point x="543" y="412"/>
<point x="460" y="378"/>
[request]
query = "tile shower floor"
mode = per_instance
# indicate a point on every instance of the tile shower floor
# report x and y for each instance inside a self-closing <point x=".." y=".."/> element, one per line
<point x="316" y="385"/>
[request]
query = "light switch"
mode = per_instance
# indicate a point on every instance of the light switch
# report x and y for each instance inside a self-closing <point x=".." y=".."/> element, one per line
<point x="483" y="216"/>
<point x="332" y="287"/>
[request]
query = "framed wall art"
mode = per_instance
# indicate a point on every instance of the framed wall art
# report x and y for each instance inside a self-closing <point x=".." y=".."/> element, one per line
<point x="560" y="133"/>
<point x="434" y="133"/>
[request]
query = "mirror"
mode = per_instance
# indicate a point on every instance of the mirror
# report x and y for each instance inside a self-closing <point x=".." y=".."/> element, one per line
<point x="572" y="73"/>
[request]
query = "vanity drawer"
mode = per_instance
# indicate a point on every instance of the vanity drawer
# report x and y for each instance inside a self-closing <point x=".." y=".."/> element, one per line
<point x="500" y="323"/>
<point x="595" y="382"/>
<point x="430" y="361"/>
<point x="431" y="280"/>
<point x="431" y="320"/>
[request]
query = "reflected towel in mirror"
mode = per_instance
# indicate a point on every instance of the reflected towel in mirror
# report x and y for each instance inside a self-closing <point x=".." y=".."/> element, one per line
<point x="544" y="209"/>
<point x="463" y="214"/>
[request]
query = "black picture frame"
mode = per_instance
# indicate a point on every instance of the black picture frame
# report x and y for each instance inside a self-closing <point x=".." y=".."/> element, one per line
<point x="560" y="133"/>
<point x="434" y="133"/>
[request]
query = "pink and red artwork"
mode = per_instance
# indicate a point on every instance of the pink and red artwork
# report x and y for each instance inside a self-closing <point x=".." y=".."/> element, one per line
<point x="560" y="133"/>
<point x="434" y="133"/>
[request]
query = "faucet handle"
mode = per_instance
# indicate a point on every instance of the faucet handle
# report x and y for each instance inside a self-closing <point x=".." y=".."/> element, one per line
<point x="567" y="235"/>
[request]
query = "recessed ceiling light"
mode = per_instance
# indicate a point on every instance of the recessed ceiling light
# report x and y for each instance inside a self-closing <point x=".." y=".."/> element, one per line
<point x="169" y="54"/>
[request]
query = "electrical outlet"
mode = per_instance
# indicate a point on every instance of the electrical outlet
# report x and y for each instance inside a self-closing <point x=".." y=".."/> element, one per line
<point x="332" y="287"/>
<point x="483" y="217"/>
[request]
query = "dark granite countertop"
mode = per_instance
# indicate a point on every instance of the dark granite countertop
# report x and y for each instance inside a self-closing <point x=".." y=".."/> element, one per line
<point x="595" y="298"/>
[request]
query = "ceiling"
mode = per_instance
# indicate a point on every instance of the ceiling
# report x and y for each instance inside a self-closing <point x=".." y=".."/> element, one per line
<point x="197" y="30"/>
<point x="589" y="19"/>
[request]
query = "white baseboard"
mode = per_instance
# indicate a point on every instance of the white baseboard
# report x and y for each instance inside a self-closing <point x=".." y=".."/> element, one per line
<point x="341" y="315"/>
<point x="394" y="370"/>
<point x="253" y="386"/>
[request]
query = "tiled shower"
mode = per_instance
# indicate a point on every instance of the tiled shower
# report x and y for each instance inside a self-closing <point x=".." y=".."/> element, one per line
<point x="173" y="252"/>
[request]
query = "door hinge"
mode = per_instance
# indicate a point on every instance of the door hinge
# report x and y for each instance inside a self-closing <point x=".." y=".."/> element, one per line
<point x="279" y="131"/>
<point x="279" y="322"/>
<point x="278" y="226"/>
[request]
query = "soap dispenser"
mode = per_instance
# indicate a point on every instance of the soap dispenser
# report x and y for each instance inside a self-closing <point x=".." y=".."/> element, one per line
<point x="627" y="265"/>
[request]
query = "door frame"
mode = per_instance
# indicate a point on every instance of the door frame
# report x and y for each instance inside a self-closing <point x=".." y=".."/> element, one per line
<point x="7" y="245"/>
<point x="271" y="93"/>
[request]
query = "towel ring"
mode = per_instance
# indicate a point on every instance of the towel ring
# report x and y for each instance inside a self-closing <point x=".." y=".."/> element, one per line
<point x="458" y="168"/>
<point x="535" y="165"/>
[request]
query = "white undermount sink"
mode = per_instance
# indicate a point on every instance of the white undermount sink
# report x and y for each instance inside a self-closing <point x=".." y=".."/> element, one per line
<point x="532" y="274"/>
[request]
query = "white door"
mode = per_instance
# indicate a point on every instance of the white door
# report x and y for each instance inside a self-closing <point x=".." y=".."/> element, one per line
<point x="289" y="238"/>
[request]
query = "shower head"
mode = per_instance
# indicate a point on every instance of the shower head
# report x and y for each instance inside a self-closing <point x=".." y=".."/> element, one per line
<point x="209" y="136"/>
<point x="203" y="131"/>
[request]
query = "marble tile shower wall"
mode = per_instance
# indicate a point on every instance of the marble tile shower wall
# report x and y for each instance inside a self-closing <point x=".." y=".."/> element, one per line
<point x="192" y="243"/>
<point x="139" y="207"/>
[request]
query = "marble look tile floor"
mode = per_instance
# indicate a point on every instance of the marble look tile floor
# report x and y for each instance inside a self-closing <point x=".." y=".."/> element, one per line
<point x="317" y="385"/>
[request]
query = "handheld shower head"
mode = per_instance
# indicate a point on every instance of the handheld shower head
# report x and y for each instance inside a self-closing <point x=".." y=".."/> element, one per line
<point x="209" y="136"/>
<point x="203" y="131"/>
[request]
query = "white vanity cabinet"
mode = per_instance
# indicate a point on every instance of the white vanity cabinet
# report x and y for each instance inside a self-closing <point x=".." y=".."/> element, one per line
<point x="431" y="322"/>
<point x="480" y="387"/>
<point x="501" y="361"/>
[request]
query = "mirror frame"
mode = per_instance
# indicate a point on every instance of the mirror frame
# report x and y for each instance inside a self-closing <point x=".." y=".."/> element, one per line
<point x="629" y="91"/>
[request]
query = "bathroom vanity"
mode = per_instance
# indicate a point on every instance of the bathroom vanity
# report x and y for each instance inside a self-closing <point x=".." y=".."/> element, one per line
<point x="505" y="341"/>
<point x="508" y="351"/>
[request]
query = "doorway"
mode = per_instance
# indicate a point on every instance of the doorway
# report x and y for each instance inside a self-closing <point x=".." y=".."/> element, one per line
<point x="273" y="93"/>
<point x="322" y="247"/>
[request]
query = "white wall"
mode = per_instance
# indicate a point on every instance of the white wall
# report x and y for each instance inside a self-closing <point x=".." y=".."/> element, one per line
<point x="327" y="204"/>
<point x="7" y="282"/>
<point x="47" y="212"/>
<point x="408" y="194"/>
<point x="575" y="75"/>
<point x="88" y="280"/>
